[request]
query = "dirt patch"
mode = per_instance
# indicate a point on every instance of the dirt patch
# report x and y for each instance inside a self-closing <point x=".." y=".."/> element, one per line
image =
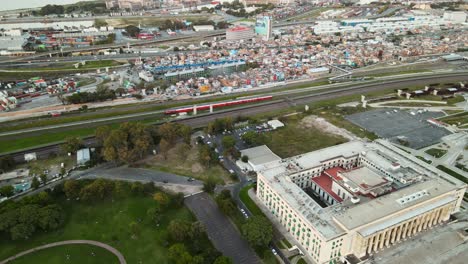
<point x="323" y="125"/>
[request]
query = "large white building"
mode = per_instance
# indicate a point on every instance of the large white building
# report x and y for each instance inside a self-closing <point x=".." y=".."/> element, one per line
<point x="366" y="196"/>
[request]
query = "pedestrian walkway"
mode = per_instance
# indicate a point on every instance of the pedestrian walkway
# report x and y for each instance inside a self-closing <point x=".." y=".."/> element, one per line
<point x="69" y="242"/>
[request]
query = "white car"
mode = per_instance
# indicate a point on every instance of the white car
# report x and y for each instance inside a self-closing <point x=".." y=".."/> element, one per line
<point x="274" y="251"/>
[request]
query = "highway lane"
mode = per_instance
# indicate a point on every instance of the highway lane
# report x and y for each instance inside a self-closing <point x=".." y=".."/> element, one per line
<point x="388" y="82"/>
<point x="202" y="120"/>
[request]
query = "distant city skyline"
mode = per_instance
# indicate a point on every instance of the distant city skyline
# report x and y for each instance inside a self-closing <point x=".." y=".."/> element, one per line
<point x="10" y="5"/>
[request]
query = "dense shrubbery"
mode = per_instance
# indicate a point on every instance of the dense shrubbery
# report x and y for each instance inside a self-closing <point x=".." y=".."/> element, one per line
<point x="102" y="94"/>
<point x="21" y="219"/>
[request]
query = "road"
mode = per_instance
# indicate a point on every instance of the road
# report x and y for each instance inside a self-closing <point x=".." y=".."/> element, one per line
<point x="220" y="230"/>
<point x="386" y="83"/>
<point x="203" y="119"/>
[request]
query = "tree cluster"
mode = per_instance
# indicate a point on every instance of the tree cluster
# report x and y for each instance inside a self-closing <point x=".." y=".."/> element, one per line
<point x="132" y="31"/>
<point x="168" y="133"/>
<point x="102" y="93"/>
<point x="207" y="156"/>
<point x="252" y="138"/>
<point x="72" y="144"/>
<point x="226" y="203"/>
<point x="20" y="220"/>
<point x="126" y="144"/>
<point x="52" y="9"/>
<point x="219" y="125"/>
<point x="101" y="189"/>
<point x="6" y="163"/>
<point x="258" y="231"/>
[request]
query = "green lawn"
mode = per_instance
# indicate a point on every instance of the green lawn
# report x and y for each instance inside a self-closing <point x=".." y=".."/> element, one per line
<point x="423" y="159"/>
<point x="77" y="254"/>
<point x="435" y="152"/>
<point x="185" y="162"/>
<point x="108" y="222"/>
<point x="245" y="198"/>
<point x="69" y="66"/>
<point x="456" y="119"/>
<point x="399" y="72"/>
<point x="454" y="174"/>
<point x="7" y="145"/>
<point x="293" y="139"/>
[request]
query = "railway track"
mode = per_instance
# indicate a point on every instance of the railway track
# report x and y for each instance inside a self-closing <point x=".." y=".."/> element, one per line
<point x="203" y="119"/>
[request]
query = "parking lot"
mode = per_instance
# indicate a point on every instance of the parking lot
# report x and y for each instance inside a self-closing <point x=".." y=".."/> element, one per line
<point x="399" y="126"/>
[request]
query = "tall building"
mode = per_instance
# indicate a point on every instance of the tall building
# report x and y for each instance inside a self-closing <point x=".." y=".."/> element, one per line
<point x="351" y="200"/>
<point x="263" y="27"/>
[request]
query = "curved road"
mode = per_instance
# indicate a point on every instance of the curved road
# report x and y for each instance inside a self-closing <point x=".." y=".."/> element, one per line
<point x="70" y="242"/>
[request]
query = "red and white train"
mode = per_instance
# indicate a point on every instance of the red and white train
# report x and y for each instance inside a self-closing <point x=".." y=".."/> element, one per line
<point x="218" y="105"/>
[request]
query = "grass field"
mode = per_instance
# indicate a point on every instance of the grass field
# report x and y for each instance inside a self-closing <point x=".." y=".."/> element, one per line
<point x="454" y="174"/>
<point x="245" y="198"/>
<point x="186" y="162"/>
<point x="108" y="222"/>
<point x="77" y="254"/>
<point x="457" y="119"/>
<point x="294" y="139"/>
<point x="435" y="152"/>
<point x="68" y="66"/>
<point x="423" y="159"/>
<point x="266" y="254"/>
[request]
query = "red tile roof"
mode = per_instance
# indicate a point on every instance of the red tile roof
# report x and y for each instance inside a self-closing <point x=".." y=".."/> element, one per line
<point x="325" y="182"/>
<point x="333" y="172"/>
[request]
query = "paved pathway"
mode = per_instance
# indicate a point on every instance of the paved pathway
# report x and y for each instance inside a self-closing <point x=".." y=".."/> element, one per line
<point x="70" y="242"/>
<point x="220" y="230"/>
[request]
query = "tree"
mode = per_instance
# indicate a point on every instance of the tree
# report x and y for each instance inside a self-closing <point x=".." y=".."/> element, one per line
<point x="52" y="9"/>
<point x="169" y="132"/>
<point x="209" y="185"/>
<point x="205" y="156"/>
<point x="35" y="183"/>
<point x="43" y="178"/>
<point x="228" y="142"/>
<point x="162" y="199"/>
<point x="196" y="230"/>
<point x="185" y="132"/>
<point x="72" y="144"/>
<point x="223" y="260"/>
<point x="6" y="163"/>
<point x="245" y="158"/>
<point x="132" y="31"/>
<point x="98" y="190"/>
<point x="258" y="231"/>
<point x="154" y="214"/>
<point x="50" y="217"/>
<point x="252" y="138"/>
<point x="225" y="204"/>
<point x="179" y="254"/>
<point x="179" y="230"/>
<point x="7" y="191"/>
<point x="72" y="189"/>
<point x="21" y="231"/>
<point x="127" y="143"/>
<point x="120" y="91"/>
<point x="102" y="132"/>
<point x="164" y="147"/>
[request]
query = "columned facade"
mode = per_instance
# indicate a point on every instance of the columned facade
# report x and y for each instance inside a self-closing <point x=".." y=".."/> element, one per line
<point x="409" y="228"/>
